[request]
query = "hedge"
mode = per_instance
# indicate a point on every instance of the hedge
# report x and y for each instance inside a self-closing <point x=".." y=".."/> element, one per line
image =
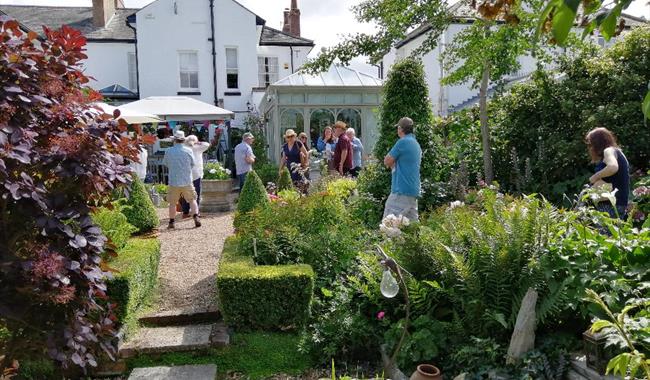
<point x="262" y="296"/>
<point x="139" y="209"/>
<point x="137" y="266"/>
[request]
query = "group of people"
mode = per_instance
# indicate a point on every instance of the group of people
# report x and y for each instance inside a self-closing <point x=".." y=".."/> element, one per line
<point x="343" y="152"/>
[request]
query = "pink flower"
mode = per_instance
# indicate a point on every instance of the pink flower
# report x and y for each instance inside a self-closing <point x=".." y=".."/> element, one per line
<point x="380" y="315"/>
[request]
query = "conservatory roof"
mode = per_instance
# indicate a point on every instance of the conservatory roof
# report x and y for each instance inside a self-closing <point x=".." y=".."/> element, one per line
<point x="336" y="76"/>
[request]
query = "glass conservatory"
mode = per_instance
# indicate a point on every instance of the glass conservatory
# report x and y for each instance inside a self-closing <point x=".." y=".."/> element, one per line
<point x="309" y="103"/>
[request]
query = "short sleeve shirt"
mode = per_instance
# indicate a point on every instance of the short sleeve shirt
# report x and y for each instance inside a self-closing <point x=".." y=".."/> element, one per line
<point x="179" y="159"/>
<point x="406" y="172"/>
<point x="243" y="150"/>
<point x="341" y="145"/>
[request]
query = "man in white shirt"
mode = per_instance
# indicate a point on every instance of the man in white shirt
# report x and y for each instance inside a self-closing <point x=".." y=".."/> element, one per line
<point x="197" y="148"/>
<point x="244" y="158"/>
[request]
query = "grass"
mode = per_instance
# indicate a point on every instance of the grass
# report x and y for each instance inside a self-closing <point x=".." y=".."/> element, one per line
<point x="257" y="355"/>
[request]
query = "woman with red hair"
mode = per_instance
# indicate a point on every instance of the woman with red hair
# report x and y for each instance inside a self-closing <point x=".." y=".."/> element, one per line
<point x="611" y="168"/>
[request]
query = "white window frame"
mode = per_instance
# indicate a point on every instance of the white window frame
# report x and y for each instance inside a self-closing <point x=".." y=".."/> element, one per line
<point x="263" y="83"/>
<point x="232" y="70"/>
<point x="132" y="69"/>
<point x="198" y="71"/>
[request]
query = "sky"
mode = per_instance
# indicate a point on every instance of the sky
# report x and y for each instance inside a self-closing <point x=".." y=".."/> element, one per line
<point x="324" y="21"/>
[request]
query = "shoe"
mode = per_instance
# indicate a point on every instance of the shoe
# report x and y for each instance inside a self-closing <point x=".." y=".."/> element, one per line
<point x="197" y="222"/>
<point x="171" y="224"/>
<point x="185" y="216"/>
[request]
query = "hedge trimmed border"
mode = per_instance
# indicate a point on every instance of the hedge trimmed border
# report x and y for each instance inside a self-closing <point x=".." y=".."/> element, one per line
<point x="266" y="297"/>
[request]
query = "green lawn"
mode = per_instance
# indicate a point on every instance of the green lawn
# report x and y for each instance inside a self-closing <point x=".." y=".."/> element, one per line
<point x="256" y="354"/>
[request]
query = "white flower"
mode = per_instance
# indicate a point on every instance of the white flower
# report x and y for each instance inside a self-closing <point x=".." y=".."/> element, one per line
<point x="212" y="171"/>
<point x="455" y="204"/>
<point x="610" y="195"/>
<point x="391" y="224"/>
<point x="228" y="171"/>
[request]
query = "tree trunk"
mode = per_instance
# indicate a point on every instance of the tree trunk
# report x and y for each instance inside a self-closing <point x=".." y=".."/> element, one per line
<point x="485" y="129"/>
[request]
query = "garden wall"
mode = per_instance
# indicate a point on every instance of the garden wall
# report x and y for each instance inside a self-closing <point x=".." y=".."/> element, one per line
<point x="261" y="296"/>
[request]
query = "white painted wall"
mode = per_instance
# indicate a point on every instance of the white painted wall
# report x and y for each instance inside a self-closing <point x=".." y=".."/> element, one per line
<point x="283" y="53"/>
<point x="107" y="63"/>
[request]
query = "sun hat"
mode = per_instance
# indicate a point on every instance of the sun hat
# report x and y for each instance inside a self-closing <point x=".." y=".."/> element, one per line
<point x="179" y="136"/>
<point x="289" y="133"/>
<point x="247" y="135"/>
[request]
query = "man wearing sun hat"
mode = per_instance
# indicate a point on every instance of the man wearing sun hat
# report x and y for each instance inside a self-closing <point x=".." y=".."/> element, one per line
<point x="179" y="160"/>
<point x="404" y="161"/>
<point x="244" y="158"/>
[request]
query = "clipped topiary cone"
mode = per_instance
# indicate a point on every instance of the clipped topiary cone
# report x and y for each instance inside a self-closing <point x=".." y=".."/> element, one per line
<point x="285" y="182"/>
<point x="253" y="195"/>
<point x="139" y="209"/>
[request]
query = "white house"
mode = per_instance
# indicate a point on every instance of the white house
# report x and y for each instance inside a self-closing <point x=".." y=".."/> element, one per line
<point x="216" y="51"/>
<point x="446" y="98"/>
<point x="110" y="41"/>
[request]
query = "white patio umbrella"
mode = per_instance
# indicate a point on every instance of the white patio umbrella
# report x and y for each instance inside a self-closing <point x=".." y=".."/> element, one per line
<point x="130" y="116"/>
<point x="177" y="108"/>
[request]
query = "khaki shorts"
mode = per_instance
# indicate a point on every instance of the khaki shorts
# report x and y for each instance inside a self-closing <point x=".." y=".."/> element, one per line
<point x="174" y="193"/>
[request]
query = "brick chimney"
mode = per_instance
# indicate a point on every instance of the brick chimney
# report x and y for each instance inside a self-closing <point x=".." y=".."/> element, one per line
<point x="294" y="19"/>
<point x="103" y="10"/>
<point x="286" y="27"/>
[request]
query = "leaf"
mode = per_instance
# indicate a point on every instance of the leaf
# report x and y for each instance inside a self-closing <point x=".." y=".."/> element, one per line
<point x="646" y="104"/>
<point x="544" y="16"/>
<point x="608" y="26"/>
<point x="563" y="20"/>
<point x="618" y="364"/>
<point x="600" y="324"/>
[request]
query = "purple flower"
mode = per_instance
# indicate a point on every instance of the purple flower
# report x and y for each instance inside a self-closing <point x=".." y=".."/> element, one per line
<point x="380" y="315"/>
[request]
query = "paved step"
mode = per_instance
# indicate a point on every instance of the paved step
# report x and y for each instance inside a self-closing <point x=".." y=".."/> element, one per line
<point x="183" y="316"/>
<point x="184" y="372"/>
<point x="158" y="340"/>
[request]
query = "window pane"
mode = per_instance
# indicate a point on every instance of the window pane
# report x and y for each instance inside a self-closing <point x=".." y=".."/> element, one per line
<point x="232" y="80"/>
<point x="231" y="58"/>
<point x="133" y="71"/>
<point x="189" y="61"/>
<point x="352" y="118"/>
<point x="194" y="80"/>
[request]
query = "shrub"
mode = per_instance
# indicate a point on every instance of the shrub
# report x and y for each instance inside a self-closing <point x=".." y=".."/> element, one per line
<point x="263" y="297"/>
<point x="253" y="195"/>
<point x="284" y="182"/>
<point x="135" y="281"/>
<point x="114" y="225"/>
<point x="267" y="172"/>
<point x="139" y="209"/>
<point x="342" y="188"/>
<point x="540" y="126"/>
<point x="58" y="162"/>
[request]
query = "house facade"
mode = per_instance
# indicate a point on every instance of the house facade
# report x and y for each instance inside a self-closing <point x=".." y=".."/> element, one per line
<point x="216" y="51"/>
<point x="446" y="98"/>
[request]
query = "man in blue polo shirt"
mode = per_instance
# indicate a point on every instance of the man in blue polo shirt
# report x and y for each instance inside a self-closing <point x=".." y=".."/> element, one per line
<point x="404" y="160"/>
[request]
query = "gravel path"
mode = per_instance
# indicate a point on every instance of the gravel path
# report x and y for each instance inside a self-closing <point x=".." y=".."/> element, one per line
<point x="189" y="258"/>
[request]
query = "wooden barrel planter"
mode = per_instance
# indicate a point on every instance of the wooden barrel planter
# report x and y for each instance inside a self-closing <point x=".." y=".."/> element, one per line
<point x="217" y="195"/>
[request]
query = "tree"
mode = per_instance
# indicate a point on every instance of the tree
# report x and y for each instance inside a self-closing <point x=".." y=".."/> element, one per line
<point x="485" y="52"/>
<point x="489" y="48"/>
<point x="58" y="162"/>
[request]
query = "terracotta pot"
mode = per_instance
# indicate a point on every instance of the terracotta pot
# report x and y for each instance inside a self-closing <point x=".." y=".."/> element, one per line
<point x="216" y="195"/>
<point x="426" y="372"/>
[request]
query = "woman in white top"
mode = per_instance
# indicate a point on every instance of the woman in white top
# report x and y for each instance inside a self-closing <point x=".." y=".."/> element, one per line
<point x="197" y="148"/>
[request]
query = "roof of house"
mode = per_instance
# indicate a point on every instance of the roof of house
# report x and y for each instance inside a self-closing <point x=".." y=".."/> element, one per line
<point x="336" y="76"/>
<point x="274" y="37"/>
<point x="81" y="18"/>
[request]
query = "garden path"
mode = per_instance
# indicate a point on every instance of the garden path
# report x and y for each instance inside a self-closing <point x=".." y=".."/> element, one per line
<point x="189" y="258"/>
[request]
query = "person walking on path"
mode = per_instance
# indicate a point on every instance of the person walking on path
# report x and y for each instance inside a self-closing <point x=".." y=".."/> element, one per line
<point x="179" y="160"/>
<point x="197" y="147"/>
<point x="294" y="154"/>
<point x="343" y="150"/>
<point x="357" y="152"/>
<point x="404" y="161"/>
<point x="612" y="168"/>
<point x="244" y="158"/>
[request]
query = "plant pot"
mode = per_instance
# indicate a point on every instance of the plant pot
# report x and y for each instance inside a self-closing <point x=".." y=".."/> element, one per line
<point x="216" y="195"/>
<point x="426" y="372"/>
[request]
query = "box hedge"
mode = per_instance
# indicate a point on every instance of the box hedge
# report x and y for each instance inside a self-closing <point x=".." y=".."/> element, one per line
<point x="260" y="296"/>
<point x="139" y="209"/>
<point x="137" y="266"/>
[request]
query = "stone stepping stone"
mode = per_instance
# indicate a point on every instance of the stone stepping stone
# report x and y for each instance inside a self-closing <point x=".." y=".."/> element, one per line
<point x="182" y="316"/>
<point x="184" y="372"/>
<point x="158" y="340"/>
